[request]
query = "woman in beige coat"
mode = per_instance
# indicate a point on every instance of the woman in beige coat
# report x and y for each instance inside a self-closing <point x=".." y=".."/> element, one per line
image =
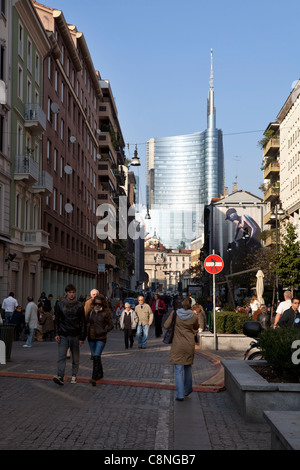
<point x="183" y="347"/>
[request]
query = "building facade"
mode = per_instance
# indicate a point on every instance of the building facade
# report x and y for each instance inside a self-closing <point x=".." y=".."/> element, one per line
<point x="70" y="147"/>
<point x="183" y="174"/>
<point x="30" y="44"/>
<point x="6" y="246"/>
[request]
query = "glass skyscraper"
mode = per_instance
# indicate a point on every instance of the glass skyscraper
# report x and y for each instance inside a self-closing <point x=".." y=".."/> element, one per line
<point x="183" y="174"/>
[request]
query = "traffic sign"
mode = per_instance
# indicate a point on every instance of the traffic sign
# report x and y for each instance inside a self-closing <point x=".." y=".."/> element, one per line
<point x="214" y="264"/>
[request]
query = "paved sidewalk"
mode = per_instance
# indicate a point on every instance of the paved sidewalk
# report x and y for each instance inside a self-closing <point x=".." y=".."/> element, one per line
<point x="132" y="408"/>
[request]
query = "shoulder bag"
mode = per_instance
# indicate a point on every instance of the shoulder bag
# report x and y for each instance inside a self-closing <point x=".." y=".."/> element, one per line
<point x="168" y="337"/>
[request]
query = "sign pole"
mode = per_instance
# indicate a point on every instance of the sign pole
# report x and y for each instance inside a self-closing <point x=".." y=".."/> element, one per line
<point x="214" y="265"/>
<point x="214" y="309"/>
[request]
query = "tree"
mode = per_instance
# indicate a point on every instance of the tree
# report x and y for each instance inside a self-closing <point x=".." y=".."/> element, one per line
<point x="288" y="260"/>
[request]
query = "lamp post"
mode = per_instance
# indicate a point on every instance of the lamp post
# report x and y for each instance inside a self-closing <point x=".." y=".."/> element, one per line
<point x="274" y="216"/>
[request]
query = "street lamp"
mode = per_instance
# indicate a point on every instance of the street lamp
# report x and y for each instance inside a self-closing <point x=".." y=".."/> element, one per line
<point x="135" y="161"/>
<point x="274" y="216"/>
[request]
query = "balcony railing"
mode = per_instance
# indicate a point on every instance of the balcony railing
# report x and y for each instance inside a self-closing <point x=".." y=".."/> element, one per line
<point x="35" y="118"/>
<point x="26" y="169"/>
<point x="44" y="184"/>
<point x="35" y="241"/>
<point x="272" y="147"/>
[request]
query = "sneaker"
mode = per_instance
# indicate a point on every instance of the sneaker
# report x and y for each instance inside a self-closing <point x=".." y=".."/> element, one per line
<point x="26" y="346"/>
<point x="73" y="379"/>
<point x="58" y="380"/>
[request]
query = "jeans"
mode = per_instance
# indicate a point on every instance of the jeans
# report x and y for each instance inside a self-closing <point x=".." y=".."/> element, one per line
<point x="183" y="378"/>
<point x="8" y="316"/>
<point x="142" y="334"/>
<point x="96" y="347"/>
<point x="30" y="336"/>
<point x="66" y="342"/>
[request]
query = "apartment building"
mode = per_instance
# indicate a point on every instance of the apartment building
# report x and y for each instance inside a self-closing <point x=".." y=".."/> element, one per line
<point x="30" y="44"/>
<point x="6" y="246"/>
<point x="289" y="121"/>
<point x="70" y="148"/>
<point x="116" y="250"/>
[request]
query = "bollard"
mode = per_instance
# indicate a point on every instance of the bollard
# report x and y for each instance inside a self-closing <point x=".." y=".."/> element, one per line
<point x="2" y="353"/>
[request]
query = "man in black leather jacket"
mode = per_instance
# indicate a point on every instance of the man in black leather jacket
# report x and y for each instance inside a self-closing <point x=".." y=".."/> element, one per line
<point x="70" y="332"/>
<point x="291" y="317"/>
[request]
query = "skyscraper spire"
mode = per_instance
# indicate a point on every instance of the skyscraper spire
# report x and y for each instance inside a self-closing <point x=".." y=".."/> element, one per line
<point x="211" y="112"/>
<point x="211" y="70"/>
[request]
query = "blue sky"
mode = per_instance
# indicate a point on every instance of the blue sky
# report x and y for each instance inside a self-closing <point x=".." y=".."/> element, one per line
<point x="156" y="54"/>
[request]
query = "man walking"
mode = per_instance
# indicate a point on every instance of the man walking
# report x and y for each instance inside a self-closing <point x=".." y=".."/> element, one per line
<point x="9" y="305"/>
<point x="87" y="305"/>
<point x="145" y="316"/>
<point x="70" y="332"/>
<point x="31" y="319"/>
<point x="291" y="317"/>
<point x="283" y="306"/>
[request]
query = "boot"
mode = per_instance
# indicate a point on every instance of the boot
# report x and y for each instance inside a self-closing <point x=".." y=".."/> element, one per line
<point x="95" y="370"/>
<point x="100" y="368"/>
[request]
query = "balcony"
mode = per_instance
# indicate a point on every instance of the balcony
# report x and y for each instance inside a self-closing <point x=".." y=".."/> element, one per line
<point x="272" y="170"/>
<point x="44" y="184"/>
<point x="272" y="193"/>
<point x="105" y="172"/>
<point x="271" y="238"/>
<point x="26" y="169"/>
<point x="35" y="119"/>
<point x="272" y="147"/>
<point x="106" y="257"/>
<point x="35" y="241"/>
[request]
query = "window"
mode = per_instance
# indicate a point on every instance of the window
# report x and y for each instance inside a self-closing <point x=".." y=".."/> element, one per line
<point x="20" y="83"/>
<point x="2" y="62"/>
<point x="2" y="133"/>
<point x="37" y="68"/>
<point x="55" y="160"/>
<point x="21" y="40"/>
<point x="3" y="7"/>
<point x="29" y="55"/>
<point x="49" y="68"/>
<point x="62" y="129"/>
<point x="54" y="198"/>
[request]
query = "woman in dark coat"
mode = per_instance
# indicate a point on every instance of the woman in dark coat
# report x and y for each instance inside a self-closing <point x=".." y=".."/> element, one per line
<point x="99" y="323"/>
<point x="183" y="347"/>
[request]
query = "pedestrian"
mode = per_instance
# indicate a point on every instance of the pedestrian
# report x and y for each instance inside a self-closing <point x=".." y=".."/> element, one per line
<point x="145" y="317"/>
<point x="264" y="318"/>
<point x="47" y="323"/>
<point x="158" y="309"/>
<point x="255" y="305"/>
<point x="119" y="311"/>
<point x="183" y="347"/>
<point x="9" y="305"/>
<point x="18" y="319"/>
<point x="128" y="323"/>
<point x="283" y="306"/>
<point x="291" y="317"/>
<point x="199" y="311"/>
<point x="87" y="305"/>
<point x="193" y="301"/>
<point x="47" y="303"/>
<point x="31" y="320"/>
<point x="70" y="332"/>
<point x="99" y="323"/>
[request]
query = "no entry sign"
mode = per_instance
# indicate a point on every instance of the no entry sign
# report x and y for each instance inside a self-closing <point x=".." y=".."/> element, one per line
<point x="214" y="264"/>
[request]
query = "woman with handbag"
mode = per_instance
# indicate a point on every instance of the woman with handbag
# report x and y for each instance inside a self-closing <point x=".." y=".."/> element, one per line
<point x="183" y="347"/>
<point x="128" y="323"/>
<point x="99" y="323"/>
<point x="158" y="309"/>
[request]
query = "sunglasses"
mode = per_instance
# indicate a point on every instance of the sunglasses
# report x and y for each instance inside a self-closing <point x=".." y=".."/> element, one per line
<point x="98" y="304"/>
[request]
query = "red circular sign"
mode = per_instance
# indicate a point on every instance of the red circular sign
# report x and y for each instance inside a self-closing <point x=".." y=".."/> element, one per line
<point x="214" y="264"/>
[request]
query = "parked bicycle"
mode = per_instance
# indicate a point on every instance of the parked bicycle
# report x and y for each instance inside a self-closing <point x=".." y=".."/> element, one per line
<point x="252" y="330"/>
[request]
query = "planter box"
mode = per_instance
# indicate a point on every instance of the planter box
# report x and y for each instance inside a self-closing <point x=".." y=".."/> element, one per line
<point x="225" y="342"/>
<point x="253" y="395"/>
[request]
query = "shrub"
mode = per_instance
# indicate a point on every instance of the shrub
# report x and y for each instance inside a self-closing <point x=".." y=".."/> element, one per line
<point x="230" y="322"/>
<point x="276" y="346"/>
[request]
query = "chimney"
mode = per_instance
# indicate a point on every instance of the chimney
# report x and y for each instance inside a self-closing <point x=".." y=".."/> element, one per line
<point x="226" y="191"/>
<point x="234" y="187"/>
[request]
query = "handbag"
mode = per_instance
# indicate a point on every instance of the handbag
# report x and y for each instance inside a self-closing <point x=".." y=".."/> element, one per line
<point x="168" y="337"/>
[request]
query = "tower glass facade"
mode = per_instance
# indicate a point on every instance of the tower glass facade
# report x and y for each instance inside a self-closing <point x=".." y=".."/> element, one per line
<point x="183" y="174"/>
